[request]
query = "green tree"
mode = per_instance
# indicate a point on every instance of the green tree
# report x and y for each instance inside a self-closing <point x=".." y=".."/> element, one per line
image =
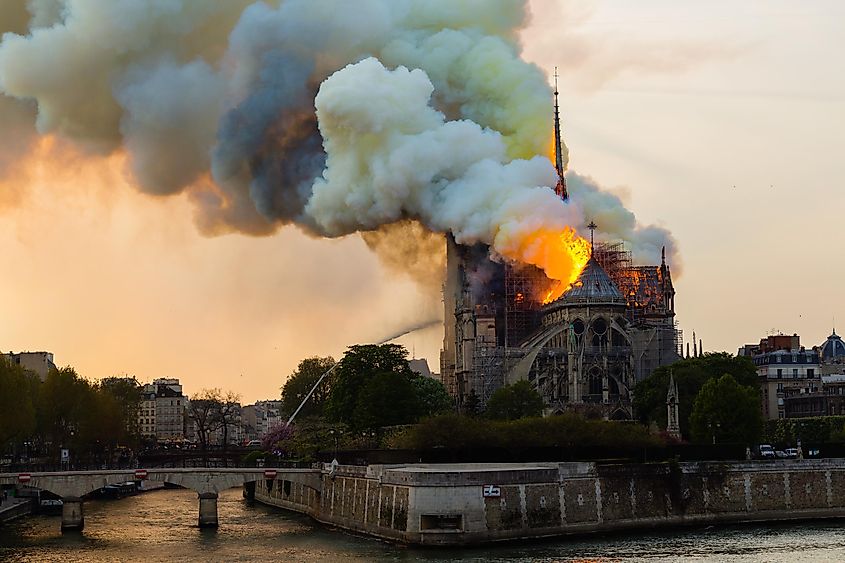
<point x="387" y="399"/>
<point x="67" y="413"/>
<point x="358" y="366"/>
<point x="726" y="412"/>
<point x="472" y="404"/>
<point x="125" y="396"/>
<point x="300" y="382"/>
<point x="432" y="396"/>
<point x="17" y="404"/>
<point x="515" y="401"/>
<point x="690" y="375"/>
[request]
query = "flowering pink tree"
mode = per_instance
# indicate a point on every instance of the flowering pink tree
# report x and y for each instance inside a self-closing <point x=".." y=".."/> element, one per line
<point x="277" y="440"/>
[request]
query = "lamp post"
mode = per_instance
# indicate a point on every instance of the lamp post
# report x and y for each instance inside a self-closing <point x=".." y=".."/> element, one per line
<point x="336" y="435"/>
<point x="714" y="429"/>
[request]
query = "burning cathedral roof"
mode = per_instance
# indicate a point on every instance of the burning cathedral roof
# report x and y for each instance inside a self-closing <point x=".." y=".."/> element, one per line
<point x="593" y="287"/>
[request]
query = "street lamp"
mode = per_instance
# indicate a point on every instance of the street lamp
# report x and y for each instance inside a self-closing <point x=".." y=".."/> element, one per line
<point x="714" y="430"/>
<point x="336" y="434"/>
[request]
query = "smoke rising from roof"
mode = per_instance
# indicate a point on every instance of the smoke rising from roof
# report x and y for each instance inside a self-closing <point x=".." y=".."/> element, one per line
<point x="335" y="117"/>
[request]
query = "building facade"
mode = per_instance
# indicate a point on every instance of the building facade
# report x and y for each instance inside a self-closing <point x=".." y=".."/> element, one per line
<point x="258" y="419"/>
<point x="583" y="351"/>
<point x="163" y="412"/>
<point x="784" y="367"/>
<point x="39" y="363"/>
<point x="826" y="400"/>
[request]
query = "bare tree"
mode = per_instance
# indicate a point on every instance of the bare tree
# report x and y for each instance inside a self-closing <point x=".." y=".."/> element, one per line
<point x="204" y="411"/>
<point x="228" y="414"/>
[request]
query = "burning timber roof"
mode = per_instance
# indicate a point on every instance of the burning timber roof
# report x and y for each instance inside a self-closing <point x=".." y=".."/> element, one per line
<point x="593" y="287"/>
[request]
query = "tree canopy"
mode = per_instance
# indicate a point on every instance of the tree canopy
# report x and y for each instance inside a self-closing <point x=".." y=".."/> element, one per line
<point x="512" y="402"/>
<point x="561" y="431"/>
<point x="66" y="411"/>
<point x="432" y="395"/>
<point x="726" y="412"/>
<point x="690" y="375"/>
<point x="18" y="400"/>
<point x="300" y="382"/>
<point x="373" y="386"/>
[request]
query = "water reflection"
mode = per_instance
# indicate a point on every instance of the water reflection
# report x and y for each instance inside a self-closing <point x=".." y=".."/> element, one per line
<point x="162" y="526"/>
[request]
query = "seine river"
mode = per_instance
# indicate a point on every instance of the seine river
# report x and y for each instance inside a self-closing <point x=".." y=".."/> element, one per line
<point x="161" y="526"/>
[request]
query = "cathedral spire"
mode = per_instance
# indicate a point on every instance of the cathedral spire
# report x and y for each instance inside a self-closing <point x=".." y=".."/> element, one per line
<point x="560" y="189"/>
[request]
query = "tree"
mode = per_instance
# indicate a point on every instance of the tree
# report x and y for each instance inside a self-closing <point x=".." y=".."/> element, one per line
<point x="300" y="382"/>
<point x="472" y="404"/>
<point x="17" y="404"/>
<point x="202" y="410"/>
<point x="387" y="399"/>
<point x="67" y="414"/>
<point x="515" y="401"/>
<point x="726" y="412"/>
<point x="690" y="375"/>
<point x="359" y="365"/>
<point x="432" y="396"/>
<point x="125" y="393"/>
<point x="276" y="440"/>
<point x="228" y="413"/>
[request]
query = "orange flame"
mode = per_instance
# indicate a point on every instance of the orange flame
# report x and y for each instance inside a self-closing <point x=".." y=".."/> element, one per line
<point x="562" y="255"/>
<point x="567" y="258"/>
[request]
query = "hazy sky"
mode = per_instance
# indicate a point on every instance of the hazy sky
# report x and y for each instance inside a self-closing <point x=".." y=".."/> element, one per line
<point x="721" y="120"/>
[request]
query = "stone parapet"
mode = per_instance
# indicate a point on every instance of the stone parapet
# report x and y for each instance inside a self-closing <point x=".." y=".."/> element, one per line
<point x="477" y="503"/>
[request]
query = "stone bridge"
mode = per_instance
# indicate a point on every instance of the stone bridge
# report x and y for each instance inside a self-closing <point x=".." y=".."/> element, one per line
<point x="73" y="486"/>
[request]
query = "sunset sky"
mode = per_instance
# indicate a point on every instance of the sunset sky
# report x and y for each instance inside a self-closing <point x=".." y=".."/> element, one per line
<point x="721" y="121"/>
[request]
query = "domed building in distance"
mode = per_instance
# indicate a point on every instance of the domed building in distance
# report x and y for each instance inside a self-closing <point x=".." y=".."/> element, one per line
<point x="832" y="350"/>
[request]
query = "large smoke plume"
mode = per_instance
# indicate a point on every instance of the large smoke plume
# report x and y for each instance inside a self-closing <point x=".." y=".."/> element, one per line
<point x="337" y="117"/>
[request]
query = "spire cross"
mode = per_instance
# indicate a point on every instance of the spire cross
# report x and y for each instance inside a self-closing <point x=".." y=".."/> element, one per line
<point x="592" y="226"/>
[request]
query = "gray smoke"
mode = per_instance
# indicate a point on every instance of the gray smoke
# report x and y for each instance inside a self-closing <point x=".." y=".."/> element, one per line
<point x="424" y="112"/>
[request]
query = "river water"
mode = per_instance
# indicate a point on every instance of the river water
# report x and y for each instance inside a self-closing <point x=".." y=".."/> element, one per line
<point x="161" y="526"/>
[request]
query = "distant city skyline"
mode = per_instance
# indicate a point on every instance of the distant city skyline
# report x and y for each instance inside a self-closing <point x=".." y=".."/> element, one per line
<point x="719" y="121"/>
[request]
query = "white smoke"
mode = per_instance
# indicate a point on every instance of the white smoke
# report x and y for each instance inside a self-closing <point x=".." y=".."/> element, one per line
<point x="615" y="222"/>
<point x="429" y="112"/>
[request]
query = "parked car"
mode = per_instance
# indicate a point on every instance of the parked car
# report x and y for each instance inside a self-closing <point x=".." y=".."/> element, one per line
<point x="765" y="451"/>
<point x="791" y="452"/>
<point x="780" y="454"/>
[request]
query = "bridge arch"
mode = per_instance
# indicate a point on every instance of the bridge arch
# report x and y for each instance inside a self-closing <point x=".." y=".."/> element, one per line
<point x="73" y="486"/>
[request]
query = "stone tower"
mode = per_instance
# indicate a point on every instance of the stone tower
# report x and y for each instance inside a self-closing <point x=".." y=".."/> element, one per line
<point x="673" y="427"/>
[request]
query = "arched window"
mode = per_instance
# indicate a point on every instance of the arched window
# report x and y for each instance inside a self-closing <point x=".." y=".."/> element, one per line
<point x="595" y="380"/>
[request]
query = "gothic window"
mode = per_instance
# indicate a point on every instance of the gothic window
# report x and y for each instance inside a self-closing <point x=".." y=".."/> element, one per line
<point x="595" y="382"/>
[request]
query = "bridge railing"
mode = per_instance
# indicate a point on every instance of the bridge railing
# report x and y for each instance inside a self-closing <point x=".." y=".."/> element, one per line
<point x="156" y="462"/>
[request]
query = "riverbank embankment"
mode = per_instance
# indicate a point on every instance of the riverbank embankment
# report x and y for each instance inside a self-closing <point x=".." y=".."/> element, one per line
<point x="479" y="503"/>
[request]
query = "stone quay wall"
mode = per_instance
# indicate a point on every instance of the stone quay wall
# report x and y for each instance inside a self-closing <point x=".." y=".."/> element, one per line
<point x="471" y="504"/>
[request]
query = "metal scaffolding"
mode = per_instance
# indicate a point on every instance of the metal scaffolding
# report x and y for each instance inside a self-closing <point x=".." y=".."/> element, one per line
<point x="524" y="287"/>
